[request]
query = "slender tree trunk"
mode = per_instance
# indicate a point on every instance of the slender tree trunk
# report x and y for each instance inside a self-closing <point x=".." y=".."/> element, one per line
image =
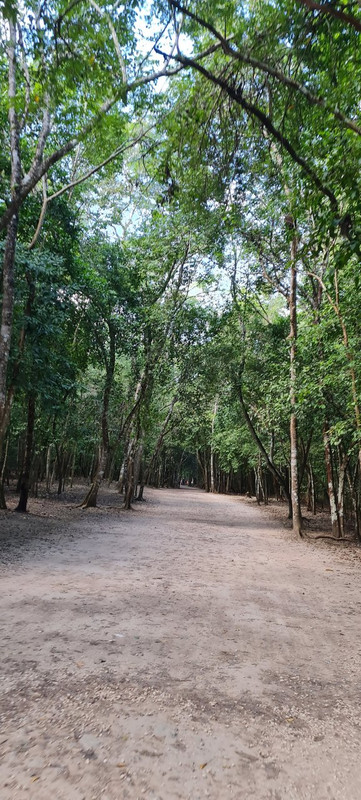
<point x="60" y="465"/>
<point x="351" y="480"/>
<point x="6" y="323"/>
<point x="214" y="414"/>
<point x="157" y="449"/>
<point x="137" y="464"/>
<point x="10" y="241"/>
<point x="344" y="458"/>
<point x="203" y="468"/>
<point x="25" y="478"/>
<point x="122" y="472"/>
<point x="91" y="469"/>
<point x="90" y="500"/>
<point x="257" y="486"/>
<point x="335" y="521"/>
<point x="142" y="475"/>
<point x="270" y="464"/>
<point x="72" y="468"/>
<point x="48" y="467"/>
<point x="295" y="495"/>
<point x="311" y="497"/>
<point x="129" y="475"/>
<point x="111" y="469"/>
<point x="2" y="475"/>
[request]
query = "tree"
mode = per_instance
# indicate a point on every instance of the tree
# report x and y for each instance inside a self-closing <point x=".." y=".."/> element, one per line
<point x="54" y="110"/>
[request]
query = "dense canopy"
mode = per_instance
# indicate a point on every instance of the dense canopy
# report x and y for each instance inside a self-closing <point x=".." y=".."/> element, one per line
<point x="180" y="226"/>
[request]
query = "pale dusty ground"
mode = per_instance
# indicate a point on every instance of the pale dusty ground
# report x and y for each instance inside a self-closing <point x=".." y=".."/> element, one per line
<point x="190" y="649"/>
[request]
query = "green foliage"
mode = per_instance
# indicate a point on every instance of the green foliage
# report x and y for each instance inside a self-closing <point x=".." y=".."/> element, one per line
<point x="166" y="277"/>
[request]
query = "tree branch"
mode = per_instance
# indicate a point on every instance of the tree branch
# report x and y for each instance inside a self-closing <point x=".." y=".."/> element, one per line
<point x="41" y="167"/>
<point x="114" y="37"/>
<point x="268" y="69"/>
<point x="113" y="155"/>
<point x="26" y="76"/>
<point x="42" y="215"/>
<point x="329" y="9"/>
<point x="82" y="179"/>
<point x="266" y="122"/>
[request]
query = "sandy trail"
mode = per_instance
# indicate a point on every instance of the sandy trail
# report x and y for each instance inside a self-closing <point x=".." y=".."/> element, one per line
<point x="190" y="649"/>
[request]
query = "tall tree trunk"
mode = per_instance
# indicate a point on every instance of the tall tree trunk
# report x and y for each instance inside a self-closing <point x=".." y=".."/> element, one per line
<point x="311" y="496"/>
<point x="122" y="471"/>
<point x="25" y="478"/>
<point x="295" y="495"/>
<point x="60" y="465"/>
<point x="10" y="242"/>
<point x="202" y="468"/>
<point x="214" y="414"/>
<point x="343" y="458"/>
<point x="283" y="483"/>
<point x="351" y="479"/>
<point x="2" y="475"/>
<point x="48" y="467"/>
<point x="335" y="521"/>
<point x="72" y="468"/>
<point x="90" y="500"/>
<point x="137" y="463"/>
<point x="129" y="475"/>
<point x="157" y="449"/>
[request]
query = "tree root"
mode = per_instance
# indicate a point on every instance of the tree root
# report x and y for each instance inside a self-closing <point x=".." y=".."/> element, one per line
<point x="325" y="536"/>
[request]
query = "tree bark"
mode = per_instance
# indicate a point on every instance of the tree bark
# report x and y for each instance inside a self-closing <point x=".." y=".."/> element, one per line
<point x="311" y="497"/>
<point x="344" y="459"/>
<point x="48" y="467"/>
<point x="2" y="476"/>
<point x="129" y="475"/>
<point x="214" y="414"/>
<point x="270" y="464"/>
<point x="25" y="478"/>
<point x="295" y="496"/>
<point x="137" y="465"/>
<point x="90" y="500"/>
<point x="10" y="242"/>
<point x="335" y="521"/>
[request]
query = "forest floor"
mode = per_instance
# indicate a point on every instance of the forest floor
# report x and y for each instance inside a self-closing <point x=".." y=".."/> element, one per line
<point x="189" y="649"/>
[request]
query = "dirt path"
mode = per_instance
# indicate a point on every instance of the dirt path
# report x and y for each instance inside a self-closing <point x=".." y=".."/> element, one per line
<point x="188" y="650"/>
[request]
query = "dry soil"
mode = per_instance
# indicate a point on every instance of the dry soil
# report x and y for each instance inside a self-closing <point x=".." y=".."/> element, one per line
<point x="190" y="649"/>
